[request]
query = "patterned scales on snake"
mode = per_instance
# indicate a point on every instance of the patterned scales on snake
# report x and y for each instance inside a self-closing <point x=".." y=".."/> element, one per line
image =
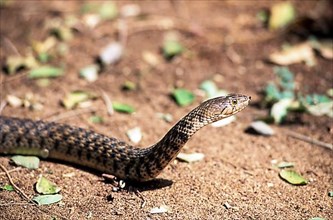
<point x="107" y="154"/>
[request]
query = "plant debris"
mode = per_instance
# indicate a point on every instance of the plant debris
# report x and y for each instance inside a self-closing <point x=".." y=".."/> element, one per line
<point x="134" y="134"/>
<point x="261" y="127"/>
<point x="7" y="187"/>
<point x="47" y="199"/>
<point x="282" y="14"/>
<point x="30" y="162"/>
<point x="183" y="97"/>
<point x="46" y="187"/>
<point x="292" y="177"/>
<point x="121" y="107"/>
<point x="72" y="99"/>
<point x="190" y="158"/>
<point x="160" y="209"/>
<point x="45" y="72"/>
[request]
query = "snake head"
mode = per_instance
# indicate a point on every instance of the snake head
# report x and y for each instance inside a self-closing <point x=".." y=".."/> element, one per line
<point x="225" y="106"/>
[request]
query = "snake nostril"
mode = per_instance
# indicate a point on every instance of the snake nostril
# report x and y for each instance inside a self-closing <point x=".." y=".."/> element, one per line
<point x="249" y="97"/>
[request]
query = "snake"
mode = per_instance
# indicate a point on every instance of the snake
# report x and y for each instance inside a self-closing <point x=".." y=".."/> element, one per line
<point x="106" y="154"/>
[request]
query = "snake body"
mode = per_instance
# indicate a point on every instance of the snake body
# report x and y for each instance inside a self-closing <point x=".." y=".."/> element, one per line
<point x="107" y="154"/>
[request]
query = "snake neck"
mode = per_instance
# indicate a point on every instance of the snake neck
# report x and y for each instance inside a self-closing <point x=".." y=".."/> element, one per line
<point x="170" y="145"/>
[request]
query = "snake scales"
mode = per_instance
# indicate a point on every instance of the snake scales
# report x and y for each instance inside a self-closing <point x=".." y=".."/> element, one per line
<point x="107" y="154"/>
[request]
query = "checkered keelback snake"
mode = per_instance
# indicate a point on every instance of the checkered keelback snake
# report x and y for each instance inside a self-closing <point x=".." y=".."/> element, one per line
<point x="107" y="154"/>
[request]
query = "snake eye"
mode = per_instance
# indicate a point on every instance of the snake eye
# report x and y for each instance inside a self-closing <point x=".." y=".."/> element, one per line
<point x="234" y="102"/>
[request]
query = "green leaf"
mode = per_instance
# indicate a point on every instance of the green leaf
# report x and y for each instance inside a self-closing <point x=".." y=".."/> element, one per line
<point x="172" y="48"/>
<point x="30" y="162"/>
<point x="272" y="93"/>
<point x="108" y="10"/>
<point x="129" y="85"/>
<point x="46" y="187"/>
<point x="47" y="199"/>
<point x="96" y="119"/>
<point x="324" y="108"/>
<point x="120" y="107"/>
<point x="281" y="15"/>
<point x="90" y="73"/>
<point x="7" y="187"/>
<point x="280" y="109"/>
<point x="262" y="16"/>
<point x="286" y="77"/>
<point x="45" y="72"/>
<point x="76" y="97"/>
<point x="209" y="87"/>
<point x="284" y="164"/>
<point x="183" y="97"/>
<point x="292" y="177"/>
<point x="314" y="99"/>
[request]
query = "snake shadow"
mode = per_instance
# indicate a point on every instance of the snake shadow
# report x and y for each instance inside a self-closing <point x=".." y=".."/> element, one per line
<point x="153" y="184"/>
<point x="150" y="185"/>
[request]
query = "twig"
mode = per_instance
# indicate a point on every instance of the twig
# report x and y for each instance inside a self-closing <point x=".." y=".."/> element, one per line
<point x="2" y="106"/>
<point x="10" y="43"/>
<point x="309" y="139"/>
<point x="69" y="114"/>
<point x="15" y="203"/>
<point x="19" y="191"/>
<point x="107" y="102"/>
<point x="16" y="188"/>
<point x="138" y="194"/>
<point x="12" y="170"/>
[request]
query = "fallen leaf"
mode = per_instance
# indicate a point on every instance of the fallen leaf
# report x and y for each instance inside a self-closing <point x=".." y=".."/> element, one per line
<point x="108" y="10"/>
<point x="282" y="14"/>
<point x="129" y="85"/>
<point x="190" y="158"/>
<point x="295" y="54"/>
<point x="172" y="48"/>
<point x="324" y="108"/>
<point x="30" y="162"/>
<point x="15" y="63"/>
<point x="284" y="164"/>
<point x="160" y="209"/>
<point x="7" y="187"/>
<point x="280" y="109"/>
<point x="69" y="175"/>
<point x="292" y="177"/>
<point x="134" y="134"/>
<point x="262" y="128"/>
<point x="150" y="58"/>
<point x="14" y="101"/>
<point x="90" y="73"/>
<point x="47" y="199"/>
<point x="183" y="97"/>
<point x="74" y="98"/>
<point x="112" y="53"/>
<point x="209" y="87"/>
<point x="45" y="72"/>
<point x="96" y="119"/>
<point x="46" y="187"/>
<point x="120" y="107"/>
